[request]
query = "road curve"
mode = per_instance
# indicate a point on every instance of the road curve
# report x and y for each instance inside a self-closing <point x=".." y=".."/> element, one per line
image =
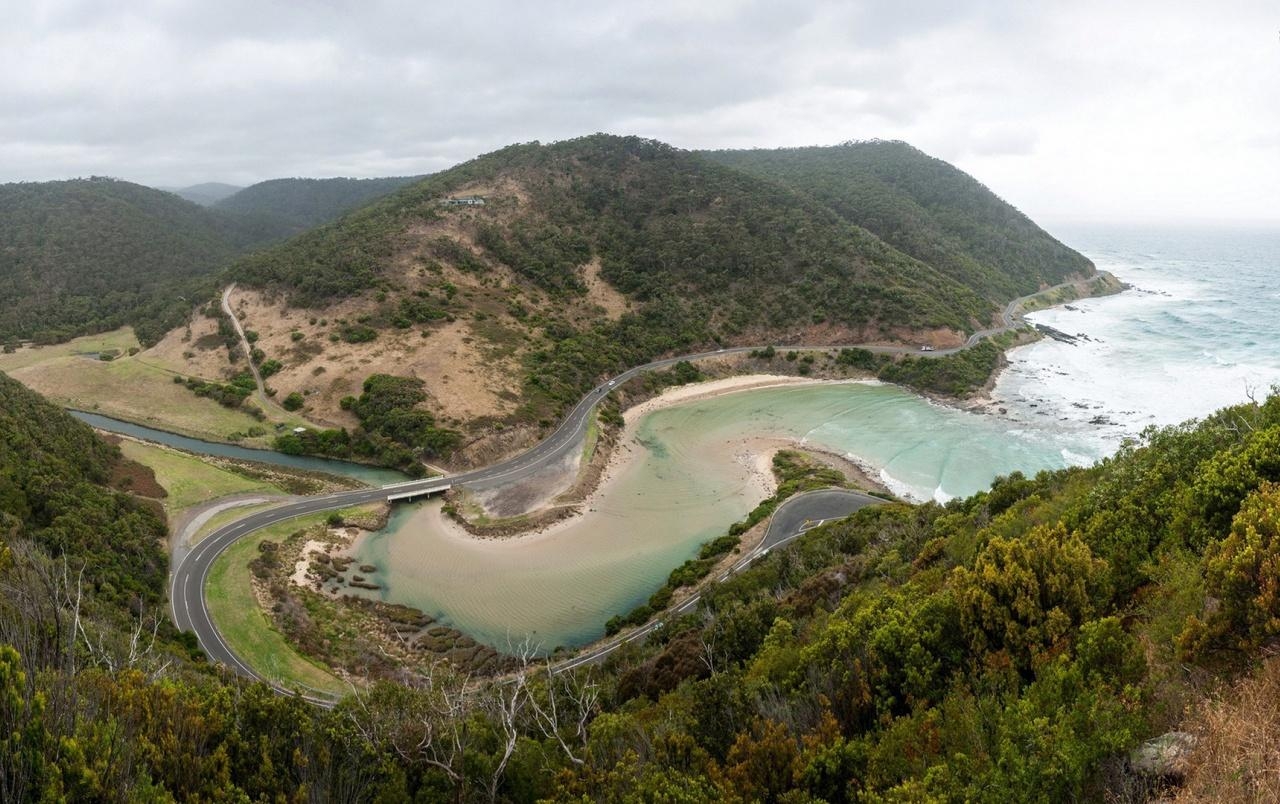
<point x="186" y="594"/>
<point x="793" y="518"/>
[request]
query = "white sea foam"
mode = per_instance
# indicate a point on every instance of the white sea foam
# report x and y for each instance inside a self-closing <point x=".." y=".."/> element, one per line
<point x="1193" y="336"/>
<point x="899" y="488"/>
<point x="1075" y="458"/>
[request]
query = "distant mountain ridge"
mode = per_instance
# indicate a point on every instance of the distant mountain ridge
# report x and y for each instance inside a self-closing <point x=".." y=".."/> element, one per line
<point x="299" y="204"/>
<point x="206" y="194"/>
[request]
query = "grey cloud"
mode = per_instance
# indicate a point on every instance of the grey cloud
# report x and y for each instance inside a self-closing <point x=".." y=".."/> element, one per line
<point x="171" y="92"/>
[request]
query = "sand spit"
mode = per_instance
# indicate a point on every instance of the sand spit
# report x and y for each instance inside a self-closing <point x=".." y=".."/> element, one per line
<point x="755" y="455"/>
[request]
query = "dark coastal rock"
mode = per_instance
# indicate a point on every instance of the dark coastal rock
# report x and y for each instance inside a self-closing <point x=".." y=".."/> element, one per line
<point x="1057" y="335"/>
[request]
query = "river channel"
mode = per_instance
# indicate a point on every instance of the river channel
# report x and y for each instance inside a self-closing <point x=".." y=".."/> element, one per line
<point x="371" y="475"/>
<point x="692" y="479"/>
<point x="694" y="473"/>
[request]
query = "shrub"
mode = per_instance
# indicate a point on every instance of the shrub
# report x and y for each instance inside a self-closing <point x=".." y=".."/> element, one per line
<point x="1242" y="571"/>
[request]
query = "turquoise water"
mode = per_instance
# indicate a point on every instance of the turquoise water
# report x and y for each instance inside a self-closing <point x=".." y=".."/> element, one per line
<point x="691" y="482"/>
<point x="919" y="449"/>
<point x="1200" y="330"/>
<point x="371" y="475"/>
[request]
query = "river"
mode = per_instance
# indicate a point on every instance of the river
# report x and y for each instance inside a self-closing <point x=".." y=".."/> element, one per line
<point x="692" y="480"/>
<point x="370" y="475"/>
<point x="1196" y="332"/>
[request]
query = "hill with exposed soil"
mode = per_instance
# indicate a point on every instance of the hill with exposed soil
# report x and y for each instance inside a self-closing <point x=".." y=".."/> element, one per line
<point x="511" y="283"/>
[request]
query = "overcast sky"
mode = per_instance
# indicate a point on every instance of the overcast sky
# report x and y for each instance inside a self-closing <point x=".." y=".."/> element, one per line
<point x="1077" y="110"/>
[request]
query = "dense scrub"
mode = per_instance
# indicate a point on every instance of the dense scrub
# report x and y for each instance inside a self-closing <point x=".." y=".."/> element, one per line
<point x="395" y="430"/>
<point x="1007" y="647"/>
<point x="923" y="207"/>
<point x="53" y="471"/>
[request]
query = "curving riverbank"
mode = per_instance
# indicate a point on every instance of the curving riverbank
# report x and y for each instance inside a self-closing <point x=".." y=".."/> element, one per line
<point x="585" y="601"/>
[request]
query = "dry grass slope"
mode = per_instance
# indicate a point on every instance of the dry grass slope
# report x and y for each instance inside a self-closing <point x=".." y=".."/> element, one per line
<point x="1237" y="755"/>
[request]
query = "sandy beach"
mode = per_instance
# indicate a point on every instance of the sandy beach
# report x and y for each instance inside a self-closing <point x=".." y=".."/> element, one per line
<point x="754" y="455"/>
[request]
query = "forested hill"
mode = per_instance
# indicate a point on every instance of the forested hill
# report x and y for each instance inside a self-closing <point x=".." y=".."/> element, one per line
<point x="593" y="255"/>
<point x="53" y="492"/>
<point x="299" y="204"/>
<point x="924" y="207"/>
<point x="89" y="255"/>
<point x="722" y="251"/>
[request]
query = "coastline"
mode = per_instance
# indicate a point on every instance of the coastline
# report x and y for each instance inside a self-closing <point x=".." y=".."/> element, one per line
<point x="754" y="454"/>
<point x="983" y="401"/>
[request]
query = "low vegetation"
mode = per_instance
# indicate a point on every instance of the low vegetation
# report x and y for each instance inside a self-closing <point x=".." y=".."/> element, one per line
<point x="794" y="472"/>
<point x="394" y="429"/>
<point x="1011" y="646"/>
<point x="133" y="388"/>
<point x="956" y="375"/>
<point x="189" y="480"/>
<point x="234" y="609"/>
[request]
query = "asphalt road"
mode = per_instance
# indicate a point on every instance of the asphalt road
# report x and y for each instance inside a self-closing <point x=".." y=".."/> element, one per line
<point x="187" y="600"/>
<point x="804" y="512"/>
<point x="795" y="517"/>
<point x="186" y="592"/>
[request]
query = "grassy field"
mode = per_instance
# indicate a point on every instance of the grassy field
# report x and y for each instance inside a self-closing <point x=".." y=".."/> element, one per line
<point x="223" y="517"/>
<point x="189" y="480"/>
<point x="128" y="388"/>
<point x="245" y="628"/>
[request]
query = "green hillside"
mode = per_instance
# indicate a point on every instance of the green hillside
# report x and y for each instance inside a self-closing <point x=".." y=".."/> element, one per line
<point x="299" y="204"/>
<point x="53" y="476"/>
<point x="702" y="255"/>
<point x="1013" y="646"/>
<point x="923" y="207"/>
<point x="669" y="227"/>
<point x="91" y="255"/>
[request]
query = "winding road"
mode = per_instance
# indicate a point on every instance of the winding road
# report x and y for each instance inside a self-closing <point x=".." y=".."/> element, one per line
<point x="187" y="599"/>
<point x="793" y="518"/>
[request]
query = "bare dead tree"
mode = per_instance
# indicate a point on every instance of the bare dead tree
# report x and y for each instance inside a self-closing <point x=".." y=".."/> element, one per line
<point x="572" y="698"/>
<point x="504" y="703"/>
<point x="707" y="637"/>
<point x="425" y="720"/>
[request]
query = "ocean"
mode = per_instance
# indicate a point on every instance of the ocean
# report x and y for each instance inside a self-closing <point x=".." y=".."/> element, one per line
<point x="1198" y="330"/>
